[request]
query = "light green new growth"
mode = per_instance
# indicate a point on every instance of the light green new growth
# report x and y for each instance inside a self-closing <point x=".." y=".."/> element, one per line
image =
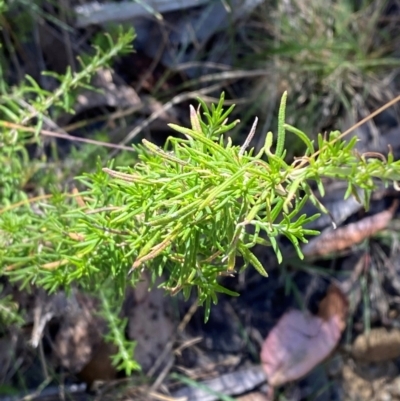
<point x="185" y="212"/>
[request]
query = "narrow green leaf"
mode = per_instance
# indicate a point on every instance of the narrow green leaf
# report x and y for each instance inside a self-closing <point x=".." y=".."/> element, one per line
<point x="280" y="144"/>
<point x="251" y="258"/>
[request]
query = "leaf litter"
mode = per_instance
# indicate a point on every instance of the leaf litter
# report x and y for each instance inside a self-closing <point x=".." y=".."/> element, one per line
<point x="331" y="241"/>
<point x="300" y="340"/>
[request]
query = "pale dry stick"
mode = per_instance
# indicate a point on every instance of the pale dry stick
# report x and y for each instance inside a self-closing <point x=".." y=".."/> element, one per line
<point x="41" y="316"/>
<point x="86" y="140"/>
<point x="170" y="363"/>
<point x="203" y="372"/>
<point x="38" y="391"/>
<point x="163" y="374"/>
<point x="348" y="285"/>
<point x="67" y="137"/>
<point x="364" y="112"/>
<point x="228" y="75"/>
<point x="372" y="115"/>
<point x="174" y="101"/>
<point x="206" y="64"/>
<point x="249" y="138"/>
<point x="25" y="202"/>
<point x="188" y="344"/>
<point x="51" y="124"/>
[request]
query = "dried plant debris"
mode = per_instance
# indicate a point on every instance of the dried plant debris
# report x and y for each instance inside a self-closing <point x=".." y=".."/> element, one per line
<point x="331" y="241"/>
<point x="300" y="341"/>
<point x="380" y="344"/>
<point x="373" y="382"/>
<point x="334" y="305"/>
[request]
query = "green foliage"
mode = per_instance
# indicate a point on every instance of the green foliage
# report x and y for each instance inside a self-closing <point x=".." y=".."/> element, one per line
<point x="185" y="212"/>
<point x="123" y="359"/>
<point x="9" y="310"/>
<point x="35" y="207"/>
<point x="3" y="6"/>
<point x="191" y="212"/>
<point x="41" y="100"/>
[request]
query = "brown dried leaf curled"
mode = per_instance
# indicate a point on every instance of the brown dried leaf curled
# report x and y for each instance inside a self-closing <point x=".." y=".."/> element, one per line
<point x="344" y="237"/>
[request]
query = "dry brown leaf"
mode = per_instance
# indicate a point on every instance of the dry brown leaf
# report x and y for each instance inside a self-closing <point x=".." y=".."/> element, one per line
<point x="300" y="341"/>
<point x="378" y="345"/>
<point x="344" y="237"/>
<point x="334" y="304"/>
<point x="100" y="368"/>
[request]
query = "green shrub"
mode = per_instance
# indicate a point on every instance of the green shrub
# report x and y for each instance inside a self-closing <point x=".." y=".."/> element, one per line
<point x="182" y="212"/>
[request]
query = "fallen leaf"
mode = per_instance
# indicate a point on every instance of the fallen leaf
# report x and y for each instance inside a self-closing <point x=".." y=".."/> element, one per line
<point x="334" y="304"/>
<point x="378" y="345"/>
<point x="344" y="237"/>
<point x="300" y="341"/>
